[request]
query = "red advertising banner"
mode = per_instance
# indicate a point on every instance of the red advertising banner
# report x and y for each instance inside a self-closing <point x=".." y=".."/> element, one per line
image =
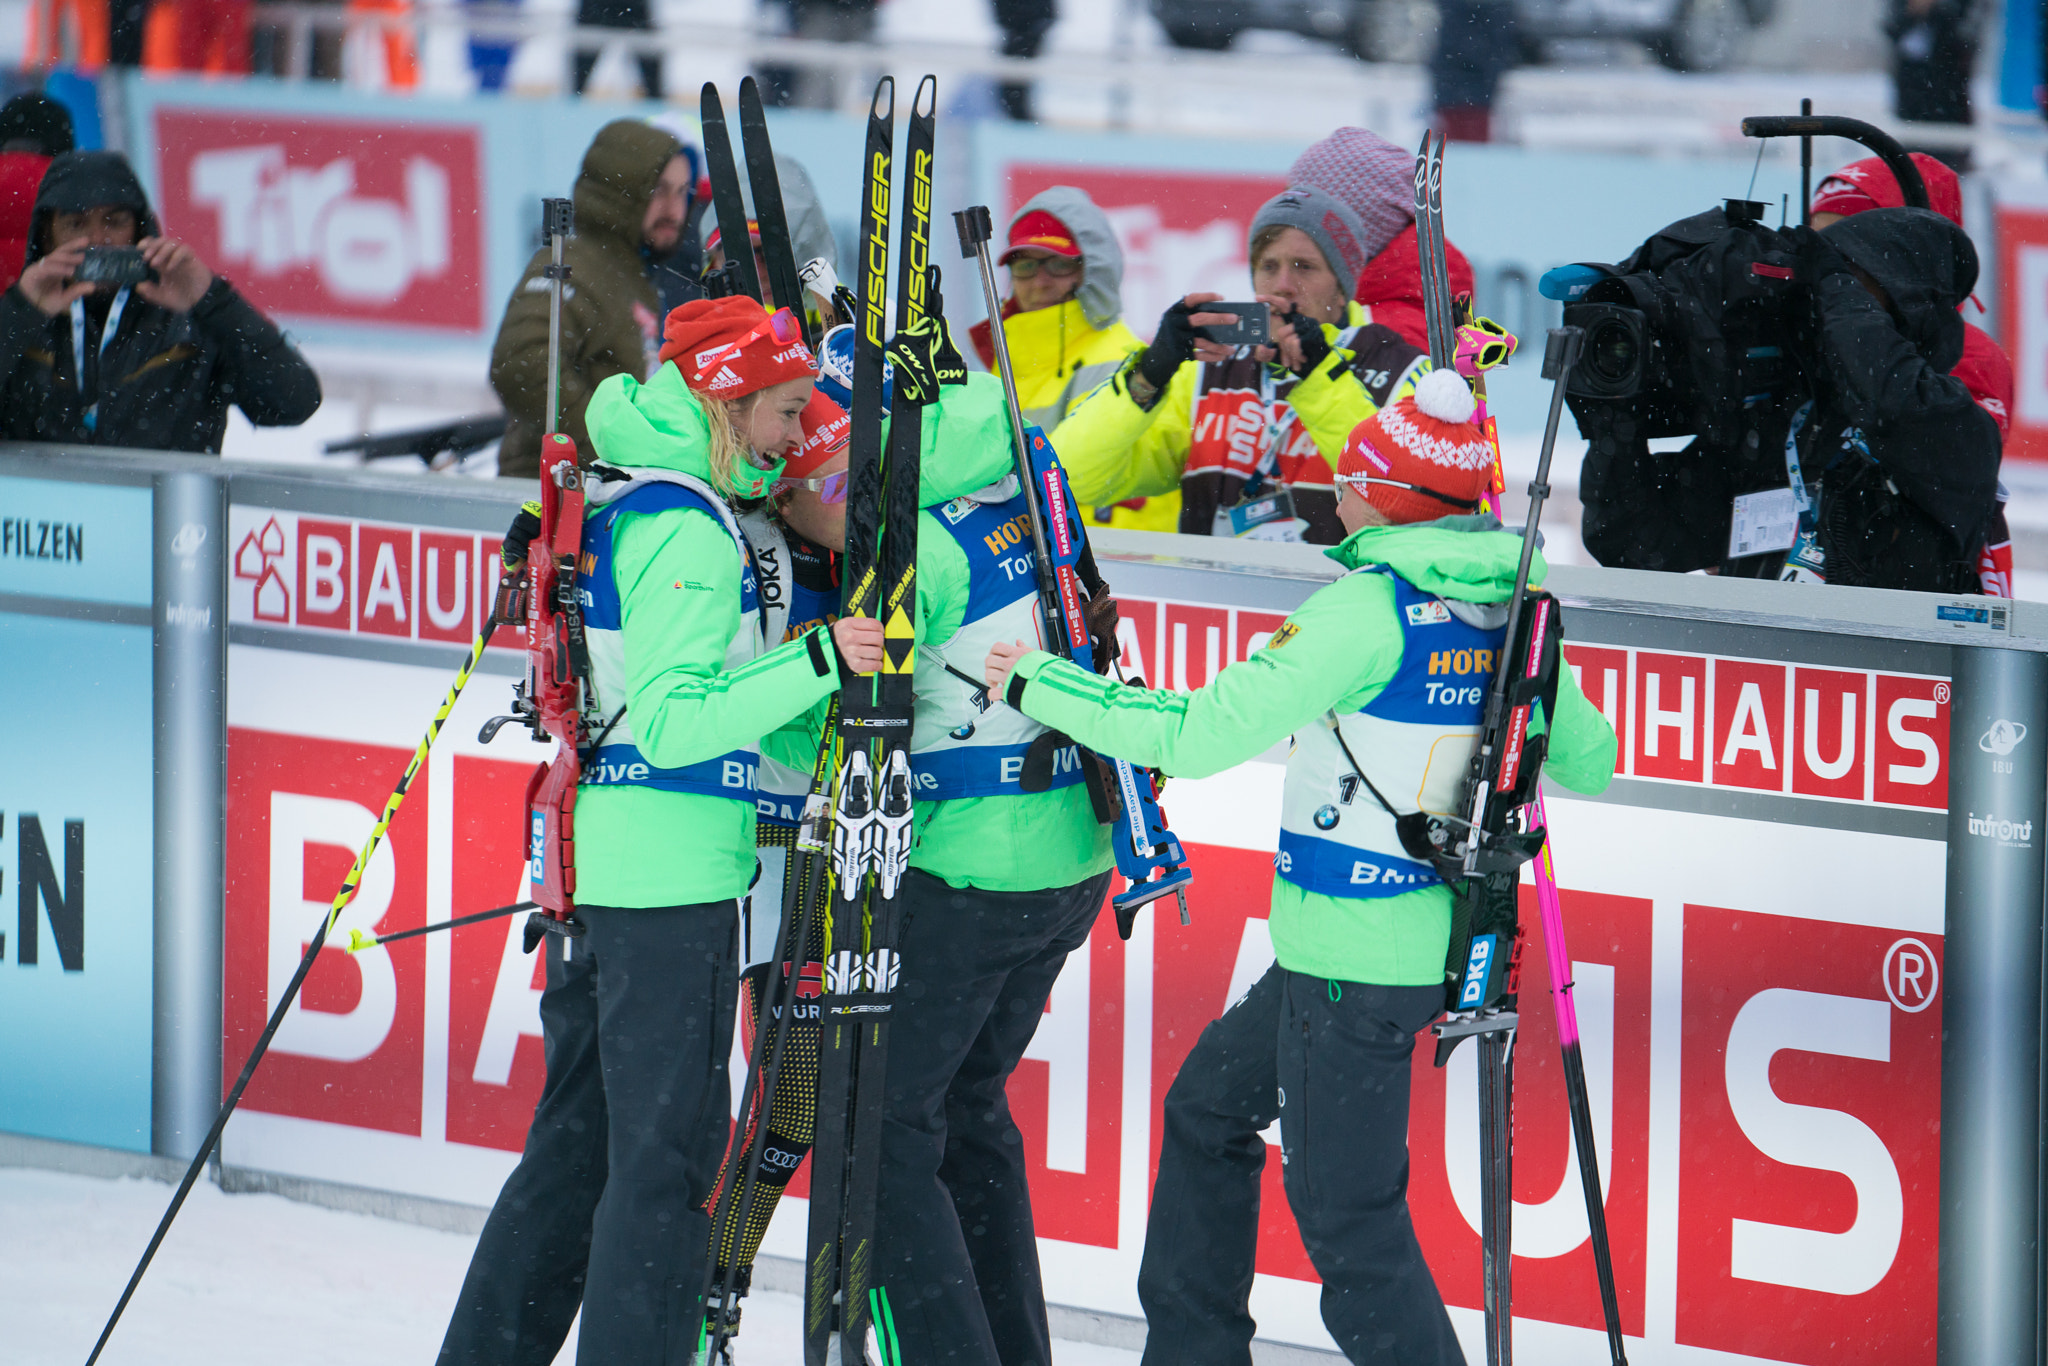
<point x="1181" y="231"/>
<point x="1758" y="996"/>
<point x="343" y="220"/>
<point x="2023" y="320"/>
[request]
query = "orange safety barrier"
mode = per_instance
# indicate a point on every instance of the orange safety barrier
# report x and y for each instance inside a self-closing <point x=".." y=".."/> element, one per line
<point x="89" y="31"/>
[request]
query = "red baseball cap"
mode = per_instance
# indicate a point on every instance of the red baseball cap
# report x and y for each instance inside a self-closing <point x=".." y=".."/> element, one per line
<point x="717" y="236"/>
<point x="1040" y="229"/>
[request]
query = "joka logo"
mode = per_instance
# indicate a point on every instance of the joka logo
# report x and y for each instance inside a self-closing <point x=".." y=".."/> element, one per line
<point x="2020" y="833"/>
<point x="1473" y="993"/>
<point x="35" y="875"/>
<point x="2003" y="737"/>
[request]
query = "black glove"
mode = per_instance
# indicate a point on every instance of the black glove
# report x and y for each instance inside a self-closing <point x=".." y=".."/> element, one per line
<point x="1102" y="620"/>
<point x="520" y="535"/>
<point x="1308" y="334"/>
<point x="916" y="354"/>
<point x="1173" y="345"/>
<point x="1814" y="257"/>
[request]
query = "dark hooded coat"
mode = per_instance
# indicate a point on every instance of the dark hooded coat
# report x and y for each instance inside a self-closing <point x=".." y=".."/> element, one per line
<point x="1912" y="514"/>
<point x="611" y="309"/>
<point x="1905" y="460"/>
<point x="165" y="380"/>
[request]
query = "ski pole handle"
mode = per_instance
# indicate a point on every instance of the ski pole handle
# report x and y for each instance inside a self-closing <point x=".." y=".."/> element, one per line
<point x="975" y="229"/>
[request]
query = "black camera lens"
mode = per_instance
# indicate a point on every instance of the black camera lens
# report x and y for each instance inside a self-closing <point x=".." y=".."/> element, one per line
<point x="1612" y="352"/>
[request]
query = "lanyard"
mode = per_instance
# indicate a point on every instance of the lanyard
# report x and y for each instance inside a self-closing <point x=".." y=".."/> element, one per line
<point x="113" y="325"/>
<point x="1805" y="562"/>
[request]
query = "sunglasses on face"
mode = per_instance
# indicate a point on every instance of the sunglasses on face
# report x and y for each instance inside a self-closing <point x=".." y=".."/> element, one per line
<point x="830" y="489"/>
<point x="1059" y="267"/>
<point x="1359" y="481"/>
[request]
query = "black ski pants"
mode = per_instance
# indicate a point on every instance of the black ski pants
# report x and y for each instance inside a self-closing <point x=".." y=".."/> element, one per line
<point x="604" y="1209"/>
<point x="1294" y="1047"/>
<point x="956" y="1246"/>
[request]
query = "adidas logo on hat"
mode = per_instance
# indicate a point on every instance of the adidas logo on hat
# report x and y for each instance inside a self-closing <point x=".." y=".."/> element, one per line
<point x="724" y="379"/>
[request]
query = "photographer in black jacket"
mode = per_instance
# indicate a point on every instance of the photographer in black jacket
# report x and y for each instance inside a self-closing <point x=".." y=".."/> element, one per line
<point x="152" y="365"/>
<point x="1836" y="343"/>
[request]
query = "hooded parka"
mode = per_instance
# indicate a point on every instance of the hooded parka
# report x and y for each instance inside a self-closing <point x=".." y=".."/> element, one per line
<point x="163" y="380"/>
<point x="611" y="320"/>
<point x="1060" y="354"/>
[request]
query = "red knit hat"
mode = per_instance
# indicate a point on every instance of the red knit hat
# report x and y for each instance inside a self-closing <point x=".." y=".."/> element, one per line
<point x="1870" y="184"/>
<point x="1421" y="446"/>
<point x="826" y="427"/>
<point x="727" y="348"/>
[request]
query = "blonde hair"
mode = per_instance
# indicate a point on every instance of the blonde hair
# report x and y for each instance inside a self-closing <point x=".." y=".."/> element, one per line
<point x="726" y="419"/>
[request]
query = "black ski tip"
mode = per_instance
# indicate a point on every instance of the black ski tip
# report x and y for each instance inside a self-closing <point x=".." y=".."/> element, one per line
<point x="879" y="110"/>
<point x="708" y="102"/>
<point x="926" y="102"/>
<point x="749" y="88"/>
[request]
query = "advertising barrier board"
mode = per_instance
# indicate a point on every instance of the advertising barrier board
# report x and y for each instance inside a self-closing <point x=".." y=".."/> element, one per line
<point x="76" y="956"/>
<point x="1755" y="911"/>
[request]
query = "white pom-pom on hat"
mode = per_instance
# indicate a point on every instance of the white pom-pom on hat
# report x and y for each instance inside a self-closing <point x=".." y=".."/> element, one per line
<point x="1444" y="395"/>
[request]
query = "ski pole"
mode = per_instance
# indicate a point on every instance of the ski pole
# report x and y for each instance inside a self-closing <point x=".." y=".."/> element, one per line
<point x="804" y="878"/>
<point x="358" y="941"/>
<point x="342" y="898"/>
<point x="1559" y="959"/>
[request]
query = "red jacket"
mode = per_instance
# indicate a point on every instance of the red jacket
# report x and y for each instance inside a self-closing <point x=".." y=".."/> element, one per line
<point x="1391" y="285"/>
<point x="20" y="175"/>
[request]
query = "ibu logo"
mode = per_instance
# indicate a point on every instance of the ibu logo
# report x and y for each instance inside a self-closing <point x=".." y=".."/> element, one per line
<point x="537" y="868"/>
<point x="1477" y="965"/>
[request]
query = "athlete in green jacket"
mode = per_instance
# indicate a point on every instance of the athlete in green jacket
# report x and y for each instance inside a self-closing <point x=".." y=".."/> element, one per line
<point x="1388" y="665"/>
<point x="1004" y="883"/>
<point x="605" y="1210"/>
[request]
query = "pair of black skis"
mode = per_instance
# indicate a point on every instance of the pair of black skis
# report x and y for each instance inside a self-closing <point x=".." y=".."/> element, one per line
<point x="735" y="236"/>
<point x="1493" y="1029"/>
<point x="845" y="1300"/>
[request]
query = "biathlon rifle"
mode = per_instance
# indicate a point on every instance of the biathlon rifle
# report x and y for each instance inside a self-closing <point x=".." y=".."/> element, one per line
<point x="541" y="591"/>
<point x="1148" y="855"/>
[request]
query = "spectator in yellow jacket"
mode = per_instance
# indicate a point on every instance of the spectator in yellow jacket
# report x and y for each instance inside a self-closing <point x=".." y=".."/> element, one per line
<point x="1250" y="436"/>
<point x="1064" y="325"/>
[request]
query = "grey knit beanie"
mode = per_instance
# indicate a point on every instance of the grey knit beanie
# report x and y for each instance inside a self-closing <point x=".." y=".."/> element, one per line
<point x="1329" y="223"/>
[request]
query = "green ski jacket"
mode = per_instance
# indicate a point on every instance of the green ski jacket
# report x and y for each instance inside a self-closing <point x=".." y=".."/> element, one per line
<point x="1336" y="652"/>
<point x="678" y="575"/>
<point x="1004" y="843"/>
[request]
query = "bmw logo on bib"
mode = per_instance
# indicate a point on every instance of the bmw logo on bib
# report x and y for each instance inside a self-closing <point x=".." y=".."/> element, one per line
<point x="962" y="732"/>
<point x="1326" y="818"/>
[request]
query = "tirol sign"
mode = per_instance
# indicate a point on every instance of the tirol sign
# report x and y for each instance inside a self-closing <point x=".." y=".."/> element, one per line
<point x="345" y="220"/>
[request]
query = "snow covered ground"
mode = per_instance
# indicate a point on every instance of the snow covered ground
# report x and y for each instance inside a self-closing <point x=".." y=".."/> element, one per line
<point x="255" y="1280"/>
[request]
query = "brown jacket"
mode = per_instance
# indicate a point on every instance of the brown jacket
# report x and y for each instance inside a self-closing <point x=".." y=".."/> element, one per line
<point x="610" y="312"/>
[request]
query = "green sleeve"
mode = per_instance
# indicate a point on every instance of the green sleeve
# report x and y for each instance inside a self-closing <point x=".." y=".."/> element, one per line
<point x="679" y="585"/>
<point x="1113" y="449"/>
<point x="1328" y="655"/>
<point x="942" y="583"/>
<point x="1331" y="404"/>
<point x="1582" y="745"/>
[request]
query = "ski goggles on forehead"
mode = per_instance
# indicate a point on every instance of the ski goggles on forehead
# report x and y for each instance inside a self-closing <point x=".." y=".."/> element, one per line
<point x="780" y="326"/>
<point x="1359" y="481"/>
<point x="830" y="488"/>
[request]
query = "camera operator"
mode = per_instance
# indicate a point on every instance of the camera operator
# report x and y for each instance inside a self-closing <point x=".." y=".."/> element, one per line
<point x="152" y="364"/>
<point x="1810" y="363"/>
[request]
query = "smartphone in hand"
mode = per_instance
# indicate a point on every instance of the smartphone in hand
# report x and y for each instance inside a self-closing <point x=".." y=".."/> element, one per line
<point x="115" y="266"/>
<point x="1252" y="328"/>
